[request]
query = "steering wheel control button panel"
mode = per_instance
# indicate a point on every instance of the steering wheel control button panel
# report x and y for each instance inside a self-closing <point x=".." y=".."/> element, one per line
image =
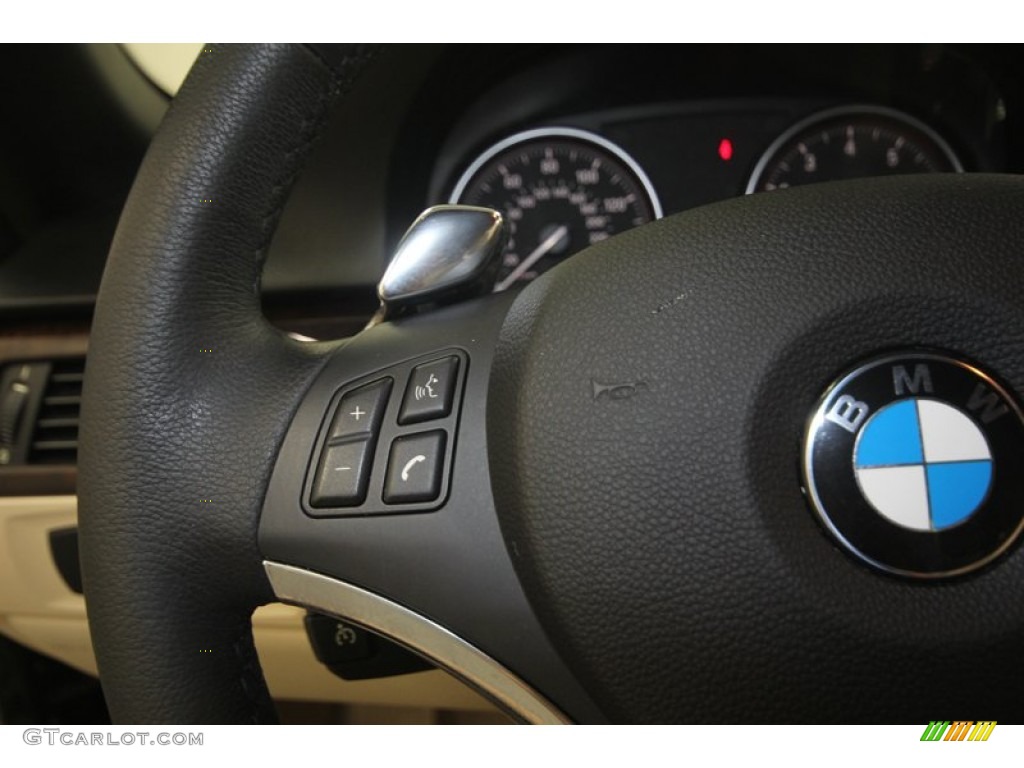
<point x="914" y="463"/>
<point x="371" y="458"/>
<point x="429" y="392"/>
<point x="360" y="412"/>
<point x="342" y="476"/>
<point x="414" y="469"/>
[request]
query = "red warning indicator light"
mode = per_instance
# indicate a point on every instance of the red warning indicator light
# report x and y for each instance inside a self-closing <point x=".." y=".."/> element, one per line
<point x="725" y="149"/>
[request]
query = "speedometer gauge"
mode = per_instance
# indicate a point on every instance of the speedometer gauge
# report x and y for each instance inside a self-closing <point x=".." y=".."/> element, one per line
<point x="849" y="143"/>
<point x="560" y="190"/>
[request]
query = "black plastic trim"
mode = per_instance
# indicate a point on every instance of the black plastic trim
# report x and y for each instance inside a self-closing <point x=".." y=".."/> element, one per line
<point x="64" y="548"/>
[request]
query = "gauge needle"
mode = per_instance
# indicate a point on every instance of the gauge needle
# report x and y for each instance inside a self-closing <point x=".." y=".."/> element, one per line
<point x="551" y="241"/>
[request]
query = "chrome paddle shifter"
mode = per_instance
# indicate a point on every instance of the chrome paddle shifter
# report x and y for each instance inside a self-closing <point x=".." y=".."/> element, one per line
<point x="450" y="253"/>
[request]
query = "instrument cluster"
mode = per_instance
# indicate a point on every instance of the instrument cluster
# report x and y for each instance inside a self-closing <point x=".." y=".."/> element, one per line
<point x="566" y="179"/>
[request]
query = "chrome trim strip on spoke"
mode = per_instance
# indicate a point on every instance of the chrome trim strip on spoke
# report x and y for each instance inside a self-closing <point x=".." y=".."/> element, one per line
<point x="416" y="632"/>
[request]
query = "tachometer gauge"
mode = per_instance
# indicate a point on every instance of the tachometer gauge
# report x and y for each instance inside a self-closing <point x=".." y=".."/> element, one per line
<point x="849" y="143"/>
<point x="560" y="190"/>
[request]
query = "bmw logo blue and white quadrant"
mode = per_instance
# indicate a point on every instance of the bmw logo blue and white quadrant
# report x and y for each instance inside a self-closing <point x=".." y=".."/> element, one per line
<point x="914" y="463"/>
<point x="923" y="464"/>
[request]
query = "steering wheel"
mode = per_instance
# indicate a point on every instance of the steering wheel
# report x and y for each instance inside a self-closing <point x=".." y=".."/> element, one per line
<point x="608" y="521"/>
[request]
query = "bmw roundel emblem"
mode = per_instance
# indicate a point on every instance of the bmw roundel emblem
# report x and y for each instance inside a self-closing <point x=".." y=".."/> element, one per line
<point x="915" y="463"/>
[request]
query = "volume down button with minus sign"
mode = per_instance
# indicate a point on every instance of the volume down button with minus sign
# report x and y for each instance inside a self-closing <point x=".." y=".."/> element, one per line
<point x="343" y="474"/>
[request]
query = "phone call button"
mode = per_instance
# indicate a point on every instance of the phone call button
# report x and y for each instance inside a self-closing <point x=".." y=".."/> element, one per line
<point x="414" y="468"/>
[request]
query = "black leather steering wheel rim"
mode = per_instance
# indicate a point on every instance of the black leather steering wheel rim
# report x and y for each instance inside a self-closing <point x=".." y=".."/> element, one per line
<point x="180" y="294"/>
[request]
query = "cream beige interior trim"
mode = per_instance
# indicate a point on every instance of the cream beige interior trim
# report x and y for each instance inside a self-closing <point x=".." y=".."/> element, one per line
<point x="36" y="607"/>
<point x="39" y="611"/>
<point x="447" y="650"/>
<point x="166" y="64"/>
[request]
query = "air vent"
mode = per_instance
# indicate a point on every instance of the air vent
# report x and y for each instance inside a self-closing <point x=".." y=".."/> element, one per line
<point x="55" y="437"/>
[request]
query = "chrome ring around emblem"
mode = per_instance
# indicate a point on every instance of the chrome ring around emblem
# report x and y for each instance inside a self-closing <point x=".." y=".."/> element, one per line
<point x="913" y="463"/>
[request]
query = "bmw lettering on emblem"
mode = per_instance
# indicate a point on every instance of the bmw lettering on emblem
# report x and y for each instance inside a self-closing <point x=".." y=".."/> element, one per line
<point x="915" y="463"/>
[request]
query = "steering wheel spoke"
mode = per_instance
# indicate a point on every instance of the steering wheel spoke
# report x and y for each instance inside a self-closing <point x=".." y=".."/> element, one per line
<point x="380" y="510"/>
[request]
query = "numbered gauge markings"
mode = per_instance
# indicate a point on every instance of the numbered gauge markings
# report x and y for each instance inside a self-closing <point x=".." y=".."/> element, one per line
<point x="560" y="190"/>
<point x="849" y="143"/>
